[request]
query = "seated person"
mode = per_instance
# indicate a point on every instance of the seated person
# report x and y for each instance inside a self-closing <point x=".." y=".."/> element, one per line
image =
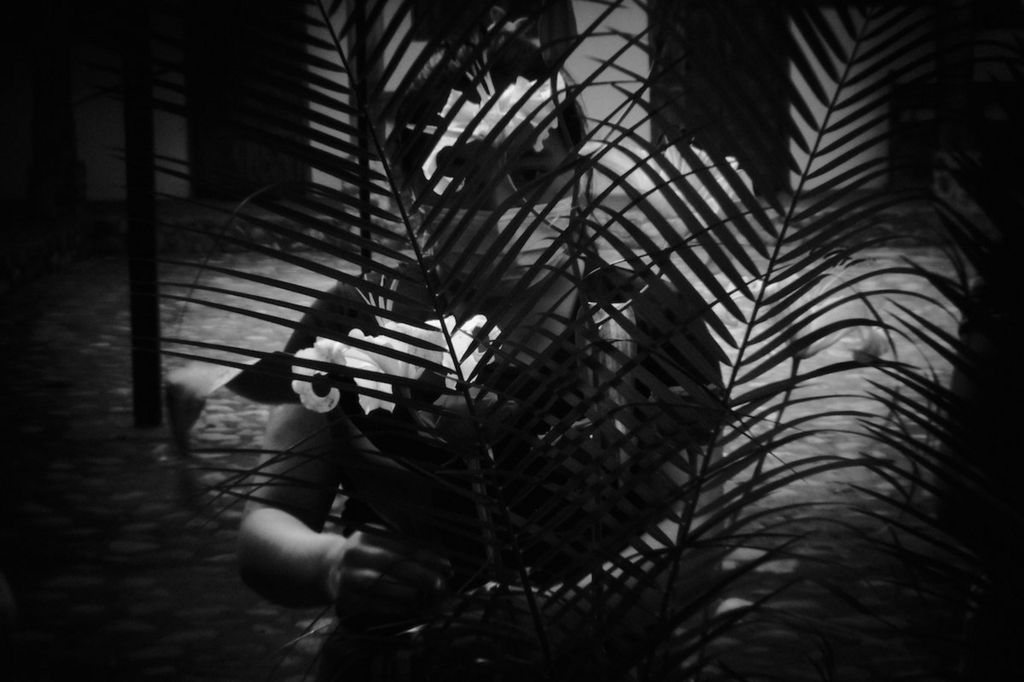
<point x="463" y="483"/>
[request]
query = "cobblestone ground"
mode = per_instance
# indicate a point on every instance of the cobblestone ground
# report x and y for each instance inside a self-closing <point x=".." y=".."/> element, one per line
<point x="122" y="574"/>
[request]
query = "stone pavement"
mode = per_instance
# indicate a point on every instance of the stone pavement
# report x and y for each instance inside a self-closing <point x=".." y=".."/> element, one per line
<point x="118" y="574"/>
<point x="121" y="573"/>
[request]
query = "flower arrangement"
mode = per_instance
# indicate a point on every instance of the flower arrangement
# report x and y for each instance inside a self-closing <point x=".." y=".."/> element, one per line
<point x="396" y="359"/>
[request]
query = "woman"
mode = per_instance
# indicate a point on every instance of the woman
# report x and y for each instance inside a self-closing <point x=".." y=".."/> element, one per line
<point x="445" y="470"/>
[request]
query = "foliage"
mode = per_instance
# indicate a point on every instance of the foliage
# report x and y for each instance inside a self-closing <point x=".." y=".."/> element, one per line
<point x="801" y="536"/>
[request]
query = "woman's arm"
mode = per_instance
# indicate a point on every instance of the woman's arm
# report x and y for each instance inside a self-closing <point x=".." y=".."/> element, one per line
<point x="282" y="552"/>
<point x="285" y="555"/>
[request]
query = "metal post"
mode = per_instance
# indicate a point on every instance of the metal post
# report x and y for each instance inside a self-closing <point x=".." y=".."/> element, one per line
<point x="141" y="214"/>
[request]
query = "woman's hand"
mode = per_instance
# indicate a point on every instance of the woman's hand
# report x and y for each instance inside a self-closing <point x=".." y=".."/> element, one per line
<point x="373" y="572"/>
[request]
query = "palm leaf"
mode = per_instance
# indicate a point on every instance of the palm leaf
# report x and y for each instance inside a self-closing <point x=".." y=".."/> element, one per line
<point x="596" y="484"/>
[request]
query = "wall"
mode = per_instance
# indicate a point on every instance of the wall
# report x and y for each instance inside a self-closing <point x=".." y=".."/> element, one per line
<point x="869" y="130"/>
<point x="15" y="114"/>
<point x="99" y="122"/>
<point x="603" y="99"/>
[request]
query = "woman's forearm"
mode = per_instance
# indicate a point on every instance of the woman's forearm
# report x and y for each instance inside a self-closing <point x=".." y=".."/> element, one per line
<point x="285" y="560"/>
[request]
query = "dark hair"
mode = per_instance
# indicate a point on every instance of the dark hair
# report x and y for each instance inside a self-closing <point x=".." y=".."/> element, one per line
<point x="507" y="55"/>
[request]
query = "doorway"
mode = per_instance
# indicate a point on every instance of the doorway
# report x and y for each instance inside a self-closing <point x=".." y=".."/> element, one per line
<point x="231" y="58"/>
<point x="720" y="79"/>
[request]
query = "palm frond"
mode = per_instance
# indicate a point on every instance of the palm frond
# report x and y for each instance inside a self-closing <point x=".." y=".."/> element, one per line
<point x="572" y="485"/>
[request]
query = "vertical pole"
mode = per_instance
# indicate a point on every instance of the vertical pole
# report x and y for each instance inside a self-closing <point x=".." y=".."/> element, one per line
<point x="140" y="207"/>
